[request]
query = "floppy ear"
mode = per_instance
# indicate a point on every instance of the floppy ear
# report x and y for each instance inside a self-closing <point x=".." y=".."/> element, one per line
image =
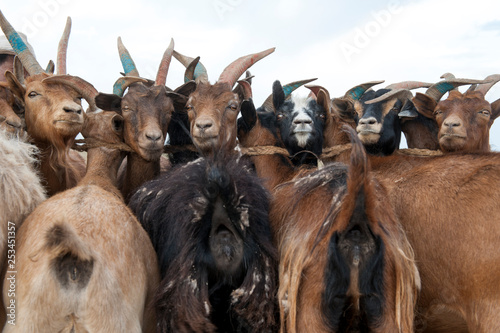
<point x="495" y="109"/>
<point x="117" y="122"/>
<point x="343" y="108"/>
<point x="278" y="95"/>
<point x="109" y="102"/>
<point x="186" y="89"/>
<point x="15" y="86"/>
<point x="425" y="105"/>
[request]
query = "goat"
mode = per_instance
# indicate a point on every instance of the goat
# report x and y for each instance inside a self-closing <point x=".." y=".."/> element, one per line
<point x="83" y="261"/>
<point x="345" y="263"/>
<point x="213" y="108"/>
<point x="147" y="110"/>
<point x="53" y="115"/>
<point x="463" y="120"/>
<point x="448" y="206"/>
<point x="208" y="221"/>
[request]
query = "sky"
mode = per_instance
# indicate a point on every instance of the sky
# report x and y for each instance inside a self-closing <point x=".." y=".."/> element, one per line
<point x="341" y="43"/>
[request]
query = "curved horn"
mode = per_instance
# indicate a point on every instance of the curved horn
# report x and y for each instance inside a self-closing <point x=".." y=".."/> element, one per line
<point x="409" y="85"/>
<point x="81" y="86"/>
<point x="437" y="90"/>
<point x="18" y="70"/>
<point x="63" y="48"/>
<point x="447" y="76"/>
<point x="287" y="89"/>
<point x="161" y="77"/>
<point x="27" y="58"/>
<point x="235" y="69"/>
<point x="356" y="92"/>
<point x="190" y="69"/>
<point x="200" y="72"/>
<point x="126" y="60"/>
<point x="485" y="87"/>
<point x="395" y="93"/>
<point x="124" y="82"/>
<point x="247" y="89"/>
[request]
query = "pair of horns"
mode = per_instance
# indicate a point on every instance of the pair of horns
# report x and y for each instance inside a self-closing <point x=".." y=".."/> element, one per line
<point x="196" y="71"/>
<point x="131" y="72"/>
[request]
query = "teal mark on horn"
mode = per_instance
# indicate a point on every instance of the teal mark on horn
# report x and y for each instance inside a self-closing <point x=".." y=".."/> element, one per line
<point x="444" y="87"/>
<point x="118" y="87"/>
<point x="127" y="63"/>
<point x="356" y="93"/>
<point x="17" y="43"/>
<point x="287" y="89"/>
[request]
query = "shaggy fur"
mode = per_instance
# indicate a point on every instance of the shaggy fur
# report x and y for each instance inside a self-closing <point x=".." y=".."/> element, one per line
<point x="179" y="212"/>
<point x="348" y="266"/>
<point x="83" y="261"/>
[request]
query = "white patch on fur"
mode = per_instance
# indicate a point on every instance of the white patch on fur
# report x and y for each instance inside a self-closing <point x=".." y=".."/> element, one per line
<point x="193" y="284"/>
<point x="303" y="131"/>
<point x="245" y="218"/>
<point x="159" y="193"/>
<point x="207" y="308"/>
<point x="199" y="207"/>
<point x="236" y="295"/>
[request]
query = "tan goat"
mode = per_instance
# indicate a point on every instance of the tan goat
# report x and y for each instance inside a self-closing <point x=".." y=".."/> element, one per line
<point x="83" y="261"/>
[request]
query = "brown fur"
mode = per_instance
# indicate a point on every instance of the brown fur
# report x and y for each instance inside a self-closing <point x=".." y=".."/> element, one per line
<point x="45" y="109"/>
<point x="212" y="112"/>
<point x="83" y="261"/>
<point x="449" y="209"/>
<point x="464" y="120"/>
<point x="11" y="112"/>
<point x="303" y="238"/>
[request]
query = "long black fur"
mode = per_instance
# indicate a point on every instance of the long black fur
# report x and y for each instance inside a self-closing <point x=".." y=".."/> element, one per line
<point x="176" y="212"/>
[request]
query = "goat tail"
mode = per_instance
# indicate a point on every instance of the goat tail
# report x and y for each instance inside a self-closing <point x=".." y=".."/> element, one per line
<point x="72" y="260"/>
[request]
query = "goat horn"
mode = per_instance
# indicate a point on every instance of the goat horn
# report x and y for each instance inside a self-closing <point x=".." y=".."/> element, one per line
<point x="394" y="93"/>
<point x="27" y="58"/>
<point x="124" y="82"/>
<point x="447" y="76"/>
<point x="409" y="85"/>
<point x="161" y="77"/>
<point x="126" y="60"/>
<point x="18" y="70"/>
<point x="287" y="89"/>
<point x="437" y="90"/>
<point x="190" y="69"/>
<point x="356" y="92"/>
<point x="50" y="67"/>
<point x="200" y="72"/>
<point x="485" y="87"/>
<point x="247" y="89"/>
<point x="63" y="48"/>
<point x="81" y="86"/>
<point x="235" y="69"/>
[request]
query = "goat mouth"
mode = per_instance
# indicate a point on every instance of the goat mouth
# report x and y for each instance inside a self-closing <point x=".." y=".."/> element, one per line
<point x="452" y="136"/>
<point x="368" y="132"/>
<point x="66" y="121"/>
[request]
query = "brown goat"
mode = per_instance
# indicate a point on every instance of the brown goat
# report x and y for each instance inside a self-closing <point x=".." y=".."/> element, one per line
<point x="147" y="111"/>
<point x="345" y="263"/>
<point x="448" y="206"/>
<point x="53" y="115"/>
<point x="464" y="120"/>
<point x="83" y="261"/>
<point x="213" y="109"/>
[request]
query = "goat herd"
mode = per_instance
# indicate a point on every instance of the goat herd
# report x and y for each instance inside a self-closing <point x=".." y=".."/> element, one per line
<point x="301" y="215"/>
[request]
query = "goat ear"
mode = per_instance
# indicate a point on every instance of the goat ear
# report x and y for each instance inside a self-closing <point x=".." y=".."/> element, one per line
<point x="323" y="99"/>
<point x="343" y="108"/>
<point x="248" y="113"/>
<point x="186" y="89"/>
<point x="179" y="100"/>
<point x="117" y="122"/>
<point x="15" y="86"/>
<point x="109" y="102"/>
<point x="278" y="95"/>
<point x="495" y="109"/>
<point x="408" y="112"/>
<point x="425" y="105"/>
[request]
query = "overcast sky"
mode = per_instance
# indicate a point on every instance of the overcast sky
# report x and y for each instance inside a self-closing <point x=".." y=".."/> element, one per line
<point x="342" y="43"/>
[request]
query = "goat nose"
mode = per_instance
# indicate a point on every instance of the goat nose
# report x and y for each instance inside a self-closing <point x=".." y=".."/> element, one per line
<point x="74" y="109"/>
<point x="368" y="121"/>
<point x="153" y="135"/>
<point x="203" y="125"/>
<point x="14" y="124"/>
<point x="452" y="123"/>
<point x="302" y="121"/>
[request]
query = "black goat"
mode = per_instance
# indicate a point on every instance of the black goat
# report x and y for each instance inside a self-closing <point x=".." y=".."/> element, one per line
<point x="208" y="222"/>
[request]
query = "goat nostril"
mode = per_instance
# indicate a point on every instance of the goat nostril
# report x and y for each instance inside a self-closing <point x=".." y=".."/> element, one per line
<point x="71" y="110"/>
<point x="203" y="125"/>
<point x="153" y="136"/>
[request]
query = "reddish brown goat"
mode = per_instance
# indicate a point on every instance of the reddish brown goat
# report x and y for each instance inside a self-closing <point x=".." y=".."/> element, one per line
<point x="464" y="120"/>
<point x="213" y="108"/>
<point x="83" y="261"/>
<point x="448" y="206"/>
<point x="54" y="116"/>
<point x="147" y="111"/>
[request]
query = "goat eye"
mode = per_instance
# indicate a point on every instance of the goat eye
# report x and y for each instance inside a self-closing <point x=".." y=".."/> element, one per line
<point x="438" y="112"/>
<point x="279" y="116"/>
<point x="32" y="94"/>
<point x="485" y="112"/>
<point x="189" y="108"/>
<point x="233" y="107"/>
